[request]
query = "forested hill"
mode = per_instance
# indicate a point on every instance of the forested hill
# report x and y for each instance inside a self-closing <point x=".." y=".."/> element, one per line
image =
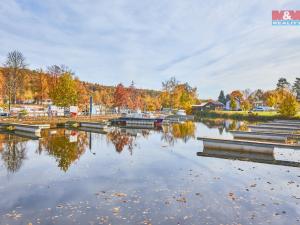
<point x="19" y="84"/>
<point x="36" y="85"/>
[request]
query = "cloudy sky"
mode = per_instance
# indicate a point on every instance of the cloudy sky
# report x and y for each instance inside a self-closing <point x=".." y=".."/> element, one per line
<point x="213" y="45"/>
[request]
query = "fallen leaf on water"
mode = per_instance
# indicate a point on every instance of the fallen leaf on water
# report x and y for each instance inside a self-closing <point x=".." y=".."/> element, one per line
<point x="119" y="194"/>
<point x="182" y="199"/>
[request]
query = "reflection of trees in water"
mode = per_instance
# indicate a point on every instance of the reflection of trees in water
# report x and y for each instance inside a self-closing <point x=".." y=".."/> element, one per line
<point x="120" y="139"/>
<point x="63" y="148"/>
<point x="184" y="131"/>
<point x="213" y="123"/>
<point x="13" y="152"/>
<point x="225" y="124"/>
<point x="221" y="130"/>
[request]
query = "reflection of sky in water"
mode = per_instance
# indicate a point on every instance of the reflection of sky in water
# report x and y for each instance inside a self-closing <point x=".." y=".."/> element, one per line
<point x="159" y="182"/>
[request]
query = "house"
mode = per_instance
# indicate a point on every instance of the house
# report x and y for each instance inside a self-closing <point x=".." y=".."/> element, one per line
<point x="207" y="106"/>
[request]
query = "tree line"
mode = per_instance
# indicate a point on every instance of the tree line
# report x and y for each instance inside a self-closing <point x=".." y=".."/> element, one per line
<point x="19" y="84"/>
<point x="282" y="98"/>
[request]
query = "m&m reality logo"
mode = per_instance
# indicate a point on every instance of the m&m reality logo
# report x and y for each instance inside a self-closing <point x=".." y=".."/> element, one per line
<point x="286" y="17"/>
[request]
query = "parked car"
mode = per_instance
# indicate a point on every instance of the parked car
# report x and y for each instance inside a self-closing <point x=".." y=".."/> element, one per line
<point x="263" y="109"/>
<point x="3" y="113"/>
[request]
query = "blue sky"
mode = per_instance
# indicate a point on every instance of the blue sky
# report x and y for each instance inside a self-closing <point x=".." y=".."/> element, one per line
<point x="212" y="45"/>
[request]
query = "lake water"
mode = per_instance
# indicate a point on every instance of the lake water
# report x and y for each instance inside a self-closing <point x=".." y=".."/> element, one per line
<point x="133" y="176"/>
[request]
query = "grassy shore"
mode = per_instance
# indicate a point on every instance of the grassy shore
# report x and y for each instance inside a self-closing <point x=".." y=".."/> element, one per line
<point x="244" y="115"/>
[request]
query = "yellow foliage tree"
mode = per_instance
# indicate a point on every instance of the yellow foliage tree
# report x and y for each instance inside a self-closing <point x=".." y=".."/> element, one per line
<point x="65" y="93"/>
<point x="288" y="106"/>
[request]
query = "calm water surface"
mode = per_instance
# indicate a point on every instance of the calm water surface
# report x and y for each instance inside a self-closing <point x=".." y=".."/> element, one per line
<point x="131" y="176"/>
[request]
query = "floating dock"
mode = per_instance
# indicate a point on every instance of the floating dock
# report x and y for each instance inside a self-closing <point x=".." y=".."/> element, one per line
<point x="97" y="125"/>
<point x="251" y="157"/>
<point x="264" y="135"/>
<point x="273" y="129"/>
<point x="178" y="118"/>
<point x="287" y="121"/>
<point x="274" y="124"/>
<point x="29" y="135"/>
<point x="31" y="128"/>
<point x="243" y="145"/>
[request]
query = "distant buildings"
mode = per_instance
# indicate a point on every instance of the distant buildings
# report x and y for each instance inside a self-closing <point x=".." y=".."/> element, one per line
<point x="207" y="106"/>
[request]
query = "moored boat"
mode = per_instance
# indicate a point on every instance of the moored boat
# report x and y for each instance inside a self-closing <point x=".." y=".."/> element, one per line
<point x="138" y="119"/>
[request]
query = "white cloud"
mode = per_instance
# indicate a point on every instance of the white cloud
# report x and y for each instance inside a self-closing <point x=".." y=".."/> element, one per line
<point x="211" y="44"/>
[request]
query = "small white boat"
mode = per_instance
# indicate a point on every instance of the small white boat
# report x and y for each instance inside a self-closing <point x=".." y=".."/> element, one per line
<point x="181" y="112"/>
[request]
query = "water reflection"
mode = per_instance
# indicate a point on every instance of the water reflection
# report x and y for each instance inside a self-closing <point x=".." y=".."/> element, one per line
<point x="66" y="146"/>
<point x="158" y="185"/>
<point x="13" y="152"/>
<point x="225" y="124"/>
<point x="184" y="131"/>
<point x="120" y="138"/>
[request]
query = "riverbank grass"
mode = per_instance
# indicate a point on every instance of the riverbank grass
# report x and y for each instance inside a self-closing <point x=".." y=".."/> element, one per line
<point x="244" y="115"/>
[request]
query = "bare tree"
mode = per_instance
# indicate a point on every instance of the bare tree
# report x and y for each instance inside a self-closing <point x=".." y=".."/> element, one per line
<point x="15" y="65"/>
<point x="56" y="71"/>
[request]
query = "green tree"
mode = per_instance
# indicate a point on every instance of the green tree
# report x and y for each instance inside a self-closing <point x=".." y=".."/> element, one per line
<point x="222" y="97"/>
<point x="296" y="87"/>
<point x="65" y="93"/>
<point x="283" y="83"/>
<point x="288" y="106"/>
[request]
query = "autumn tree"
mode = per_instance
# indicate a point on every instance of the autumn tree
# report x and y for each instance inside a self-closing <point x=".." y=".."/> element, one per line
<point x="238" y="95"/>
<point x="271" y="98"/>
<point x="121" y="96"/>
<point x="233" y="104"/>
<point x="246" y="105"/>
<point x="134" y="101"/>
<point x="178" y="95"/>
<point x="151" y="104"/>
<point x="65" y="93"/>
<point x="40" y="85"/>
<point x="56" y="71"/>
<point x="84" y="92"/>
<point x="288" y="107"/>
